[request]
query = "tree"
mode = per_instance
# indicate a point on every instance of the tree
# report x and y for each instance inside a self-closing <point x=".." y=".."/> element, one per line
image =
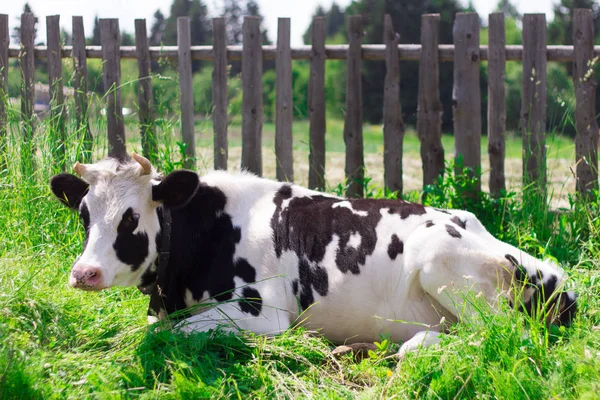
<point x="333" y="25"/>
<point x="157" y="29"/>
<point x="560" y="30"/>
<point x="16" y="35"/>
<point x="95" y="39"/>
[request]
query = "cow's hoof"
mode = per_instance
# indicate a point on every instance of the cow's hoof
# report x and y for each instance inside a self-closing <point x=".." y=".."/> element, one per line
<point x="358" y="350"/>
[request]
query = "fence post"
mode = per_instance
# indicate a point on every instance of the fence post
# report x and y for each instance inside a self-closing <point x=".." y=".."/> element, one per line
<point x="110" y="37"/>
<point x="145" y="99"/>
<point x="393" y="126"/>
<point x="533" y="104"/>
<point x="316" y="106"/>
<point x="186" y="98"/>
<point x="353" y="134"/>
<point x="26" y="57"/>
<point x="429" y="114"/>
<point x="4" y="43"/>
<point x="586" y="141"/>
<point x="284" y="154"/>
<point x="466" y="98"/>
<point x="80" y="88"/>
<point x="496" y="101"/>
<point x="219" y="93"/>
<point x="57" y="103"/>
<point x="252" y="105"/>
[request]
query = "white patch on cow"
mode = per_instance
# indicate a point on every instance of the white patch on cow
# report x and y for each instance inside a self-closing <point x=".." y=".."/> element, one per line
<point x="189" y="298"/>
<point x="355" y="240"/>
<point x="348" y="205"/>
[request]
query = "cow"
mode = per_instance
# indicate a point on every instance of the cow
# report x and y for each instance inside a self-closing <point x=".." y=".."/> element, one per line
<point x="239" y="252"/>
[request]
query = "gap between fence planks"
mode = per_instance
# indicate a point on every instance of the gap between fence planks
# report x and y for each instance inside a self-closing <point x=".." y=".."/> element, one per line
<point x="393" y="126"/>
<point x="252" y="105"/>
<point x="353" y="133"/>
<point x="284" y="156"/>
<point x="219" y="93"/>
<point x="496" y="102"/>
<point x="26" y="58"/>
<point x="80" y="89"/>
<point x="466" y="99"/>
<point x="316" y="106"/>
<point x="186" y="99"/>
<point x="429" y="113"/>
<point x="533" y="104"/>
<point x="586" y="140"/>
<point x="110" y="36"/>
<point x="145" y="99"/>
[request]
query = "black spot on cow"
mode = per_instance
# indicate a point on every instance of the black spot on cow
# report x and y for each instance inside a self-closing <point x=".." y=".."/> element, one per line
<point x="131" y="248"/>
<point x="442" y="211"/>
<point x="84" y="214"/>
<point x="251" y="302"/>
<point x="295" y="287"/>
<point x="244" y="270"/>
<point x="396" y="247"/>
<point x="453" y="232"/>
<point x="429" y="223"/>
<point x="459" y="222"/>
<point x="404" y="208"/>
<point x="311" y="278"/>
<point x="520" y="272"/>
<point x="202" y="248"/>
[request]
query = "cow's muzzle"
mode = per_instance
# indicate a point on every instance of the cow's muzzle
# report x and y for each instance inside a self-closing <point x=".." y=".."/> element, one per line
<point x="86" y="277"/>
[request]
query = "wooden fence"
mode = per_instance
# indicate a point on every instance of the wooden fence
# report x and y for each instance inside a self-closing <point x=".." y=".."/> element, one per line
<point x="466" y="53"/>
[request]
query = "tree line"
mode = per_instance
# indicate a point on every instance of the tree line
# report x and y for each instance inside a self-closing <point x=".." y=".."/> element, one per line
<point x="406" y="17"/>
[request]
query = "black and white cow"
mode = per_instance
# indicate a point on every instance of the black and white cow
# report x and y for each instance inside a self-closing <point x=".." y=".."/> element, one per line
<point x="243" y="252"/>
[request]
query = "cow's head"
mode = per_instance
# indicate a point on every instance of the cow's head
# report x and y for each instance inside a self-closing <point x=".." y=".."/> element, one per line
<point x="119" y="204"/>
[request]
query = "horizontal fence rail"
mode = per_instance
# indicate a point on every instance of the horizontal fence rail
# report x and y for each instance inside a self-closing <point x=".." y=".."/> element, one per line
<point x="466" y="54"/>
<point x="406" y="52"/>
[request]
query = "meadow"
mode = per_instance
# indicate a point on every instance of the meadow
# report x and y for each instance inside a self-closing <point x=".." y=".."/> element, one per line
<point x="57" y="342"/>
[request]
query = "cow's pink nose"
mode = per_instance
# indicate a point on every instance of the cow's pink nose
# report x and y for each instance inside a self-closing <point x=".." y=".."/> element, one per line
<point x="86" y="277"/>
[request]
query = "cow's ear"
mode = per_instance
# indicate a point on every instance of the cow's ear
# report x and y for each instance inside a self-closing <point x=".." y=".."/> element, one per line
<point x="176" y="189"/>
<point x="69" y="189"/>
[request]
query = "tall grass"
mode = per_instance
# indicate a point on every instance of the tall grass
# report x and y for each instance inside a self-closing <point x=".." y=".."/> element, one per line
<point x="56" y="342"/>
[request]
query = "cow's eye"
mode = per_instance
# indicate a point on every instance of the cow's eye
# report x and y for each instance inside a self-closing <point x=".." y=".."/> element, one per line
<point x="129" y="221"/>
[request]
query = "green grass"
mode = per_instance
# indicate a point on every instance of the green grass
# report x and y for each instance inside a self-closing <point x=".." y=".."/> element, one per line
<point x="56" y="342"/>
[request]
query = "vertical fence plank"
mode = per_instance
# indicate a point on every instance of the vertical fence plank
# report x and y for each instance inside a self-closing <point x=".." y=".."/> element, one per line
<point x="466" y="97"/>
<point x="4" y="43"/>
<point x="353" y="134"/>
<point x="219" y="93"/>
<point x="26" y="58"/>
<point x="284" y="103"/>
<point x="429" y="114"/>
<point x="316" y="106"/>
<point x="110" y="37"/>
<point x="186" y="98"/>
<point x="80" y="88"/>
<point x="393" y="126"/>
<point x="533" y="104"/>
<point x="586" y="141"/>
<point x="496" y="102"/>
<point x="145" y="99"/>
<point x="252" y="105"/>
<point x="57" y="98"/>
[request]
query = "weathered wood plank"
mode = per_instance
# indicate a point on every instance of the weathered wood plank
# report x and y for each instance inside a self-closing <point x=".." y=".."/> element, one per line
<point x="4" y="43"/>
<point x="393" y="126"/>
<point x="186" y="98"/>
<point x="57" y="98"/>
<point x="353" y="134"/>
<point x="466" y="98"/>
<point x="26" y="58"/>
<point x="252" y="104"/>
<point x="80" y="88"/>
<point x="110" y="37"/>
<point x="145" y="99"/>
<point x="496" y="102"/>
<point x="219" y="93"/>
<point x="533" y="104"/>
<point x="284" y="104"/>
<point x="316" y="106"/>
<point x="586" y="140"/>
<point x="429" y="113"/>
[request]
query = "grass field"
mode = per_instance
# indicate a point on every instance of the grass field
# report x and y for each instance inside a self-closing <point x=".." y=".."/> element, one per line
<point x="56" y="342"/>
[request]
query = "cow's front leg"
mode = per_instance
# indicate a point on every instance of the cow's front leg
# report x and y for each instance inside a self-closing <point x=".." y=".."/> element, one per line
<point x="421" y="339"/>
